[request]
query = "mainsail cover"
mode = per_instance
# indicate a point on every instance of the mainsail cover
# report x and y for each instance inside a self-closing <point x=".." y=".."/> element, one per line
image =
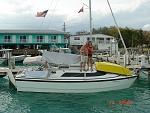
<point x="60" y="58"/>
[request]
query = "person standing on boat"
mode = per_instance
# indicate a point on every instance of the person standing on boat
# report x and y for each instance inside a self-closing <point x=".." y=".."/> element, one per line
<point x="84" y="56"/>
<point x="90" y="51"/>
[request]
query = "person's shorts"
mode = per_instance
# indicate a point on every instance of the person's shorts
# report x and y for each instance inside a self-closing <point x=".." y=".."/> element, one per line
<point x="90" y="55"/>
<point x="84" y="58"/>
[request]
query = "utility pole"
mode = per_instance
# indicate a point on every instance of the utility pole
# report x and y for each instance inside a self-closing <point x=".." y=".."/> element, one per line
<point x="64" y="30"/>
<point x="64" y="27"/>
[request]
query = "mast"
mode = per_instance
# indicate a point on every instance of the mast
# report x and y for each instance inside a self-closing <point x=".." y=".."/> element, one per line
<point x="90" y="20"/>
<point x="118" y="28"/>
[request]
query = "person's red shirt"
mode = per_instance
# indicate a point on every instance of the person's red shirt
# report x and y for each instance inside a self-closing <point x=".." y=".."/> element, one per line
<point x="89" y="50"/>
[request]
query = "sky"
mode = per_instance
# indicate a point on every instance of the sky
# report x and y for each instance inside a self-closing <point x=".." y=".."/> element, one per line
<point x="20" y="14"/>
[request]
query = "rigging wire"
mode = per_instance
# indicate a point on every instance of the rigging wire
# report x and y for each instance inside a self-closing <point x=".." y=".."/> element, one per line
<point x="52" y="14"/>
<point x="45" y="16"/>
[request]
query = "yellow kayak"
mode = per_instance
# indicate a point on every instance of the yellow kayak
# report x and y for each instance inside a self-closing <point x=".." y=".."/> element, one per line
<point x="112" y="68"/>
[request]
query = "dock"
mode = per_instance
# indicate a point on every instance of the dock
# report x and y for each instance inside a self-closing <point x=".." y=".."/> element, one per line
<point x="138" y="64"/>
<point x="138" y="67"/>
<point x="3" y="71"/>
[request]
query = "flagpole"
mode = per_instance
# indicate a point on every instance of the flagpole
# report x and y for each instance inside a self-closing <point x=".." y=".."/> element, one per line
<point x="90" y="20"/>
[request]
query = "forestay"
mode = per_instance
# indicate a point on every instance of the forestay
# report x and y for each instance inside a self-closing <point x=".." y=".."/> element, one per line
<point x="60" y="58"/>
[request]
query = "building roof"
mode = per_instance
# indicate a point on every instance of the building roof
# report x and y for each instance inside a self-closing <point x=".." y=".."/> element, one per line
<point x="31" y="31"/>
<point x="93" y="35"/>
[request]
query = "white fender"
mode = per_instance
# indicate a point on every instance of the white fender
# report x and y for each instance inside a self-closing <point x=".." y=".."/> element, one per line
<point x="11" y="77"/>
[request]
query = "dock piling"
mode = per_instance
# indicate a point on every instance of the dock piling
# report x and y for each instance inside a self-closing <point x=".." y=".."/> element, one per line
<point x="137" y="58"/>
<point x="118" y="58"/>
<point x="126" y="59"/>
<point x="101" y="56"/>
<point x="143" y="60"/>
<point x="9" y="60"/>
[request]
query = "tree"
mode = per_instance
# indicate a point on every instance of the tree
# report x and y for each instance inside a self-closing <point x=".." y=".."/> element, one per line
<point x="147" y="39"/>
<point x="101" y="30"/>
<point x="82" y="32"/>
<point x="113" y="32"/>
<point x="131" y="37"/>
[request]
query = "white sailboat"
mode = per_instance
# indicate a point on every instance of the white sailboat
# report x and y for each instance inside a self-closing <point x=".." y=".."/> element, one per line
<point x="65" y="80"/>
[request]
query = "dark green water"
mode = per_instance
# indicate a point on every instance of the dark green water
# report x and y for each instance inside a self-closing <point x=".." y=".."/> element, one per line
<point x="138" y="94"/>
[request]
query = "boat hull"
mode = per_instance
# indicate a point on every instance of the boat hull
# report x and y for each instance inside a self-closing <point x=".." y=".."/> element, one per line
<point x="79" y="86"/>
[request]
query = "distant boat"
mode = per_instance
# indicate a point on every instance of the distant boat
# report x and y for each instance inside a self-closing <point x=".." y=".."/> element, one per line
<point x="6" y="53"/>
<point x="19" y="58"/>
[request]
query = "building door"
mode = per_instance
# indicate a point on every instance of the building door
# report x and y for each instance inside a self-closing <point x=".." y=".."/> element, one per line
<point x="14" y="38"/>
<point x="30" y="38"/>
<point x="46" y="38"/>
<point x="59" y="39"/>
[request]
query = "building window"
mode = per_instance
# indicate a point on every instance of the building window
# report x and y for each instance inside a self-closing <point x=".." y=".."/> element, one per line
<point x="22" y="38"/>
<point x="88" y="38"/>
<point x="53" y="38"/>
<point x="97" y="40"/>
<point x="39" y="38"/>
<point x="7" y="39"/>
<point x="93" y="39"/>
<point x="76" y="38"/>
<point x="107" y="40"/>
<point x="101" y="40"/>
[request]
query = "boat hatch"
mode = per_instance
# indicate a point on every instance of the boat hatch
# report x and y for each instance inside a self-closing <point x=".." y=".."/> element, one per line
<point x="98" y="73"/>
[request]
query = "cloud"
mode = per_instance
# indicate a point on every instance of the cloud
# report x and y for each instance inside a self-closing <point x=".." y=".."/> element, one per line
<point x="146" y="27"/>
<point x="21" y="14"/>
<point x="136" y="18"/>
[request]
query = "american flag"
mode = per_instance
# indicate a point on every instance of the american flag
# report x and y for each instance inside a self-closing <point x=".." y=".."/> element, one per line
<point x="42" y="14"/>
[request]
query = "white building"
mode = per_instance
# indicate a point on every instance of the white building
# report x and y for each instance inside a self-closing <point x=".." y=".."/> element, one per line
<point x="102" y="42"/>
